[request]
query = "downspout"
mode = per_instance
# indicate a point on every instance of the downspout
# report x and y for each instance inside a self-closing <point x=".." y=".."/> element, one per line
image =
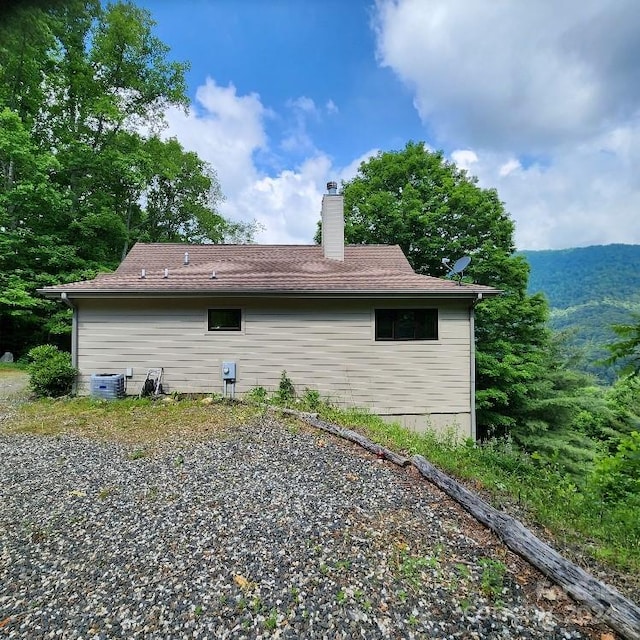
<point x="74" y="329"/>
<point x="472" y="360"/>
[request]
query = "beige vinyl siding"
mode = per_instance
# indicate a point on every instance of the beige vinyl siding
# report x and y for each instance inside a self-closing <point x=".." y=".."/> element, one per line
<point x="322" y="344"/>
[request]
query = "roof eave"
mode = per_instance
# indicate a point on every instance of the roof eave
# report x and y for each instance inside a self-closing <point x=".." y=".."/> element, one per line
<point x="323" y="293"/>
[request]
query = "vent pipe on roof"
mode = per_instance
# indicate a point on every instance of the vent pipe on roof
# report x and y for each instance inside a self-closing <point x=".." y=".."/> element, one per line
<point x="333" y="223"/>
<point x="143" y="273"/>
<point x="166" y="273"/>
<point x="186" y="257"/>
<point x="213" y="275"/>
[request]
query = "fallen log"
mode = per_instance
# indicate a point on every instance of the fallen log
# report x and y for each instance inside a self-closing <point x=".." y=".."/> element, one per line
<point x="622" y="615"/>
<point x="358" y="438"/>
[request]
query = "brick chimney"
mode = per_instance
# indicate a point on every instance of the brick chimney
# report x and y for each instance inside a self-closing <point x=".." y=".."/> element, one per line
<point x="333" y="223"/>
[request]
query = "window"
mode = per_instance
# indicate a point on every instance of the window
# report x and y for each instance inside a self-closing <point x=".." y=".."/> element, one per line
<point x="406" y="324"/>
<point x="225" y="320"/>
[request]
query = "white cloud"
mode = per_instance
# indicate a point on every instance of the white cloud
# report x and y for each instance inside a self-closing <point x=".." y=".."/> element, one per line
<point x="304" y="105"/>
<point x="228" y="130"/>
<point x="225" y="129"/>
<point x="509" y="166"/>
<point x="538" y="100"/>
<point x="297" y="138"/>
<point x="523" y="76"/>
<point x="288" y="204"/>
<point x="546" y="95"/>
<point x="588" y="195"/>
<point x="351" y="169"/>
<point x="302" y="111"/>
<point x="464" y="158"/>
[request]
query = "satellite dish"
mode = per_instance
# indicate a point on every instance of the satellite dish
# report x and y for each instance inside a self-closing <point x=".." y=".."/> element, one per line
<point x="458" y="267"/>
<point x="461" y="264"/>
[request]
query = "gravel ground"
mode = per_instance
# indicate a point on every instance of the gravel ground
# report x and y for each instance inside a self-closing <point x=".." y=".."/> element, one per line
<point x="13" y="391"/>
<point x="272" y="531"/>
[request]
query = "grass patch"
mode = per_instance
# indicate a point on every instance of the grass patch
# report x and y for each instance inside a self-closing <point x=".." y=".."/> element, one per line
<point x="12" y="370"/>
<point x="492" y="580"/>
<point x="130" y="420"/>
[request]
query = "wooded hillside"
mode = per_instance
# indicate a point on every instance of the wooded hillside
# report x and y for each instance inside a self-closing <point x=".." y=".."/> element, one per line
<point x="588" y="289"/>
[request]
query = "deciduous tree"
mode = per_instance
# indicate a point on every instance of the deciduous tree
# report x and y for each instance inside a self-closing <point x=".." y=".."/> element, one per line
<point x="417" y="199"/>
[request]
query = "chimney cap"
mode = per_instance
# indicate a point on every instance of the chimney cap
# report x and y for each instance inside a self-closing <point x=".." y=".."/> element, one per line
<point x="332" y="188"/>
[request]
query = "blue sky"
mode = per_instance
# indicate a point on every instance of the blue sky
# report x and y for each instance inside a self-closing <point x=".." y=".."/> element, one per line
<point x="287" y="50"/>
<point x="539" y="100"/>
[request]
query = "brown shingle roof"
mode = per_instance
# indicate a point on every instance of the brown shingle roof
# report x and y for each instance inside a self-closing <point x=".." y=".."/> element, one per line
<point x="264" y="269"/>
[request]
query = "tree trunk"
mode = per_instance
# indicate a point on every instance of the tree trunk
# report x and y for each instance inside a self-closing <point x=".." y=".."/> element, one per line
<point x="125" y="248"/>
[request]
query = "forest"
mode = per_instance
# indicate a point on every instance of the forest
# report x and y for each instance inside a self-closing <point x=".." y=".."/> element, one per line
<point x="85" y="173"/>
<point x="84" y="170"/>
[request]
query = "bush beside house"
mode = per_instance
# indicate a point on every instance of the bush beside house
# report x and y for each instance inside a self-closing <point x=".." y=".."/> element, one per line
<point x="50" y="371"/>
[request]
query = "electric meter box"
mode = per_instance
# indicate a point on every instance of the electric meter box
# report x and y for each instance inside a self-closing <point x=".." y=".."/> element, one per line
<point x="228" y="370"/>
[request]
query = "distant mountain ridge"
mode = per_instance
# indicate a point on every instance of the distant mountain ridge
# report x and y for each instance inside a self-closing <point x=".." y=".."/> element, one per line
<point x="589" y="289"/>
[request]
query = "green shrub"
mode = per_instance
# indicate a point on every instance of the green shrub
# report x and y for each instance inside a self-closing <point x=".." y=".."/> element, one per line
<point x="286" y="392"/>
<point x="492" y="579"/>
<point x="258" y="395"/>
<point x="50" y="371"/>
<point x="617" y="477"/>
<point x="311" y="399"/>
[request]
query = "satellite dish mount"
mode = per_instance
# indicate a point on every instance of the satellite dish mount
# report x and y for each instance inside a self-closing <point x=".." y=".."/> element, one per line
<point x="457" y="270"/>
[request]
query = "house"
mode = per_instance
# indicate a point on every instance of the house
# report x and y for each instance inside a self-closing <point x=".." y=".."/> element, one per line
<point x="355" y="323"/>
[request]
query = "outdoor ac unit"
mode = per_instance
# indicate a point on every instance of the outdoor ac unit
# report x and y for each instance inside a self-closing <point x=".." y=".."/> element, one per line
<point x="107" y="385"/>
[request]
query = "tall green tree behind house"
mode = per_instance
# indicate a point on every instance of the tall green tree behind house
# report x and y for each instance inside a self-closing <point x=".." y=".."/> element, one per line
<point x="417" y="199"/>
<point x="85" y="173"/>
<point x="181" y="195"/>
<point x="32" y="209"/>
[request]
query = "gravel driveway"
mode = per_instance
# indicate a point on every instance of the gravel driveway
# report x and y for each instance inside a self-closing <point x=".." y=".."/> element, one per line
<point x="13" y="390"/>
<point x="273" y="531"/>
